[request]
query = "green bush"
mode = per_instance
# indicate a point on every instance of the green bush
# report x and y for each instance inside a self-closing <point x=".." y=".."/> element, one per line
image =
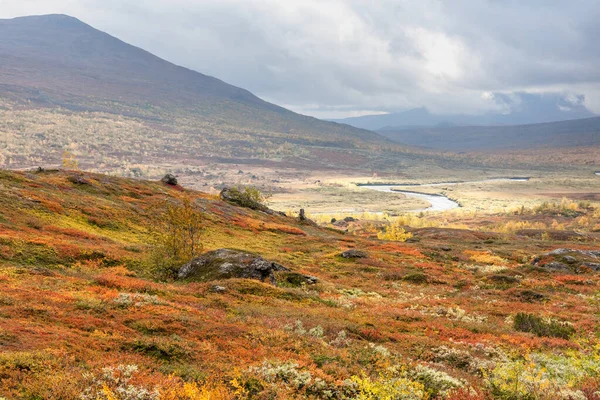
<point x="539" y="326"/>
<point x="250" y="197"/>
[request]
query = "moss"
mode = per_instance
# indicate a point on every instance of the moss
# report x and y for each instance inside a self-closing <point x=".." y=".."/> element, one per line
<point x="26" y="253"/>
<point x="418" y="278"/>
<point x="158" y="349"/>
<point x="290" y="279"/>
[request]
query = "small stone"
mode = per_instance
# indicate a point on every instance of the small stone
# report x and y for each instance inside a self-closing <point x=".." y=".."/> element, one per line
<point x="219" y="289"/>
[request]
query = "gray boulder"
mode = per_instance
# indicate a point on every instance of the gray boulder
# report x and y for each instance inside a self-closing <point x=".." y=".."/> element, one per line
<point x="569" y="260"/>
<point x="353" y="253"/>
<point x="229" y="263"/>
<point x="557" y="266"/>
<point x="239" y="198"/>
<point x="169" y="179"/>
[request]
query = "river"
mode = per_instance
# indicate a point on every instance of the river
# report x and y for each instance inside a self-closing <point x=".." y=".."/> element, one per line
<point x="438" y="202"/>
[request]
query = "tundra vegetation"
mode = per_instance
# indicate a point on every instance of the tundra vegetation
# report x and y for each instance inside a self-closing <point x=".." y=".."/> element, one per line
<point x="500" y="307"/>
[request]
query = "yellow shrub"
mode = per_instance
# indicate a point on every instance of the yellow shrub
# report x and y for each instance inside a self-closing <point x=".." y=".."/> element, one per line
<point x="485" y="257"/>
<point x="193" y="391"/>
<point x="396" y="233"/>
<point x="388" y="388"/>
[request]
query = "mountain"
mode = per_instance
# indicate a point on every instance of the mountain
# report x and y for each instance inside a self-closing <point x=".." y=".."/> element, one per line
<point x="579" y="132"/>
<point x="410" y="118"/>
<point x="56" y="62"/>
<point x="517" y="109"/>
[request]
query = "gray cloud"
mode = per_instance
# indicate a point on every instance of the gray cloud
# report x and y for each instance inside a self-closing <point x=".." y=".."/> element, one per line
<point x="338" y="57"/>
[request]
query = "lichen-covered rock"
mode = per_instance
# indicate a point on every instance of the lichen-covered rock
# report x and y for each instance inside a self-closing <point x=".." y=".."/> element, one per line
<point x="353" y="253"/>
<point x="569" y="260"/>
<point x="229" y="263"/>
<point x="239" y="198"/>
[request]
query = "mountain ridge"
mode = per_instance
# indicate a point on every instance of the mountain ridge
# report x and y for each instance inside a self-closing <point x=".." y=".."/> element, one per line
<point x="570" y="133"/>
<point x="534" y="110"/>
<point x="59" y="60"/>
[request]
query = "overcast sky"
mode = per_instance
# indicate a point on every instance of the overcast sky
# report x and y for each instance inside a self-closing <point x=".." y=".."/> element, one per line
<point x="334" y="58"/>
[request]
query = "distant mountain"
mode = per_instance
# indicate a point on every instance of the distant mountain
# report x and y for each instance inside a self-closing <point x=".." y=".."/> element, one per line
<point x="579" y="132"/>
<point x="518" y="109"/>
<point x="57" y="60"/>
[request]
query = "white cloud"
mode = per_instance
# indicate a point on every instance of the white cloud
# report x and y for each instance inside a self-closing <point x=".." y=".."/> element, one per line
<point x="355" y="56"/>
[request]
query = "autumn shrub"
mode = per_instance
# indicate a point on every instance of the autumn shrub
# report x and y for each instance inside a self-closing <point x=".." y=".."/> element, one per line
<point x="543" y="376"/>
<point x="539" y="326"/>
<point x="485" y="257"/>
<point x="460" y="359"/>
<point x="388" y="385"/>
<point x="418" y="278"/>
<point x="436" y="383"/>
<point x="195" y="391"/>
<point x="125" y="300"/>
<point x="298" y="379"/>
<point x="91" y="304"/>
<point x="395" y="233"/>
<point x="115" y="384"/>
<point x="248" y="196"/>
<point x="177" y="236"/>
<point x="158" y="348"/>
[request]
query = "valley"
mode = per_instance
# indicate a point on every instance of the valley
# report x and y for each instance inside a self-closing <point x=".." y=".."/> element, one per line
<point x="165" y="235"/>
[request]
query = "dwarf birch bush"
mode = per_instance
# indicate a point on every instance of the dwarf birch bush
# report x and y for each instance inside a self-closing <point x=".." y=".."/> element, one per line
<point x="176" y="236"/>
<point x="387" y="387"/>
<point x="395" y="233"/>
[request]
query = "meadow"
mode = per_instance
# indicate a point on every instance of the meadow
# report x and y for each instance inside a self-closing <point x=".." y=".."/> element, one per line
<point x="467" y="307"/>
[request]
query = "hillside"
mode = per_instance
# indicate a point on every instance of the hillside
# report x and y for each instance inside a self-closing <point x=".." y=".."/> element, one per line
<point x="455" y="313"/>
<point x="59" y="74"/>
<point x="563" y="134"/>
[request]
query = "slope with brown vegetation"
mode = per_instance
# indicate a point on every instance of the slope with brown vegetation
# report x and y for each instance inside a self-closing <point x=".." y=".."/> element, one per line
<point x="84" y="313"/>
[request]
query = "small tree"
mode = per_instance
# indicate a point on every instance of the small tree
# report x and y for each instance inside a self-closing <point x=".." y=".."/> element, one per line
<point x="177" y="236"/>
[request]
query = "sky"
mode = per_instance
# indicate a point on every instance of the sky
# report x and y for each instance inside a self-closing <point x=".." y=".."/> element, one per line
<point x="338" y="58"/>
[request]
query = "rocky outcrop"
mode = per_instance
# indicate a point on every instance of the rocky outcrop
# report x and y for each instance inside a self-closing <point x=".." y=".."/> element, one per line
<point x="228" y="263"/>
<point x="569" y="261"/>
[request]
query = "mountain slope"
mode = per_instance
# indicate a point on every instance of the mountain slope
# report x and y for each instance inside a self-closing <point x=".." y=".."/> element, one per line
<point x="580" y="132"/>
<point x="57" y="60"/>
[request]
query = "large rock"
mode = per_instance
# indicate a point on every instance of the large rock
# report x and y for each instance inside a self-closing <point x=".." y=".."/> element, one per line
<point x="169" y="179"/>
<point x="228" y="263"/>
<point x="237" y="197"/>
